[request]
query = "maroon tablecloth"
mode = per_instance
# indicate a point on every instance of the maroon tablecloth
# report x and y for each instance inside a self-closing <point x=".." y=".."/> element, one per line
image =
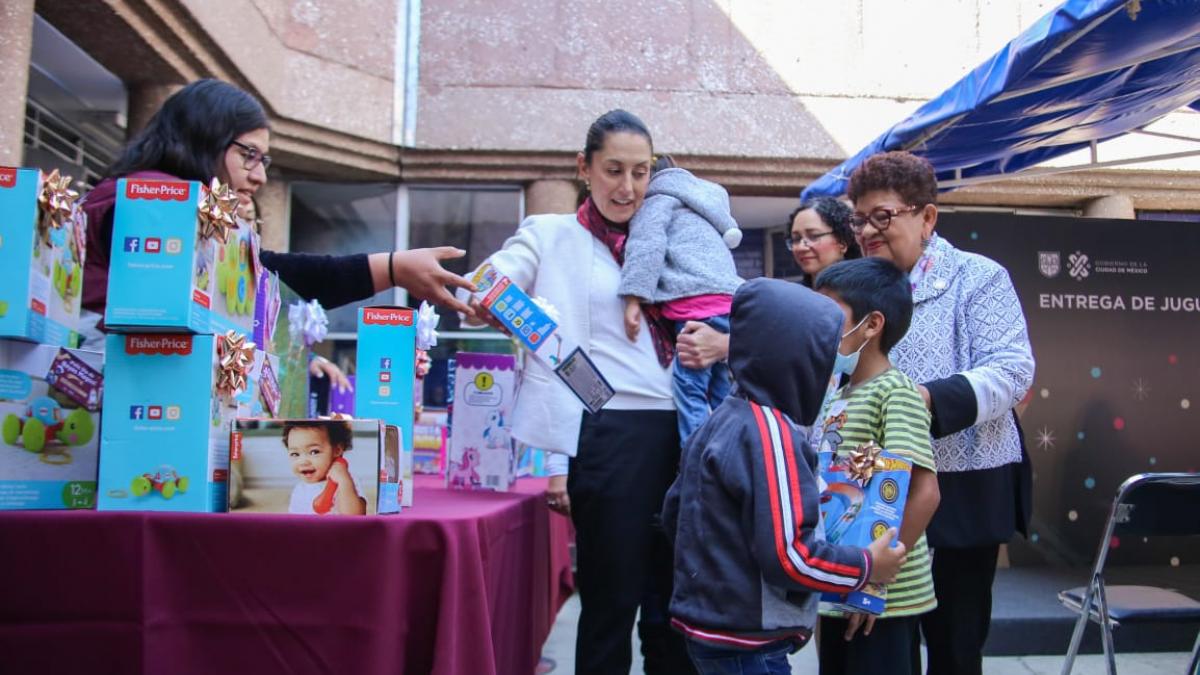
<point x="461" y="583"/>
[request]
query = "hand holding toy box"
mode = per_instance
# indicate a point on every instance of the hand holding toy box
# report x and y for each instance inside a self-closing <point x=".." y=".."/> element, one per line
<point x="167" y="420"/>
<point x="181" y="260"/>
<point x="315" y="466"/>
<point x="532" y="325"/>
<point x="386" y="361"/>
<point x="50" y="415"/>
<point x="43" y="237"/>
<point x="865" y="496"/>
<point x="481" y="445"/>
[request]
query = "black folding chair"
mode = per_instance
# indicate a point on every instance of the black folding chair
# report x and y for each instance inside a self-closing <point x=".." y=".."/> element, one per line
<point x="1147" y="505"/>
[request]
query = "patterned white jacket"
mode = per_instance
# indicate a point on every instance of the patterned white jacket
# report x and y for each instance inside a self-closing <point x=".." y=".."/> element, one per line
<point x="968" y="343"/>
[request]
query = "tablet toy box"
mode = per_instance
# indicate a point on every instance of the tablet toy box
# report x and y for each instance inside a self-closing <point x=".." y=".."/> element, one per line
<point x="866" y="490"/>
<point x="536" y="330"/>
<point x="481" y="445"/>
<point x="43" y="236"/>
<point x="50" y="417"/>
<point x="315" y="466"/>
<point x="166" y="426"/>
<point x="386" y="362"/>
<point x="180" y="260"/>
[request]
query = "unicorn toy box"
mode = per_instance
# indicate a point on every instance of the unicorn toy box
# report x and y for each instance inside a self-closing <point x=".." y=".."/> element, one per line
<point x="481" y="453"/>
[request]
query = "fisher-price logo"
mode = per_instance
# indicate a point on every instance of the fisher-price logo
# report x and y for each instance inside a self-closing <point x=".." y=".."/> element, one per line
<point x="158" y="344"/>
<point x="388" y="317"/>
<point x="163" y="190"/>
<point x="8" y="177"/>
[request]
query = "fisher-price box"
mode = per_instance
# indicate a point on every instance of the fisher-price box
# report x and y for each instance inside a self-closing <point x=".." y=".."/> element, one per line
<point x="165" y="425"/>
<point x="166" y="275"/>
<point x="50" y="415"/>
<point x="538" y="332"/>
<point x="315" y="466"/>
<point x="481" y="445"/>
<point x="386" y="362"/>
<point x="41" y="259"/>
<point x="857" y="512"/>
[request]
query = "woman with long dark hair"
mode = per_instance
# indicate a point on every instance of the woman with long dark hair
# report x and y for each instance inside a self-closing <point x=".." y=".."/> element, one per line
<point x="212" y="129"/>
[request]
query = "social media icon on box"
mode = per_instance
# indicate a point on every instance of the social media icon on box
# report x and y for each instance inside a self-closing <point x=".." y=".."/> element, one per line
<point x="153" y="245"/>
<point x="174" y="246"/>
<point x="173" y="412"/>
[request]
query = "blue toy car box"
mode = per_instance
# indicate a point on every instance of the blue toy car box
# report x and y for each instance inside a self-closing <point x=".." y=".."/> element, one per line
<point x="866" y="490"/>
<point x="166" y="423"/>
<point x="50" y="400"/>
<point x="41" y="257"/>
<point x="386" y="362"/>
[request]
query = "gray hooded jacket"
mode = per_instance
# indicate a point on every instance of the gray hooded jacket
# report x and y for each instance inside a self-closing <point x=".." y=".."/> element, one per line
<point x="750" y="561"/>
<point x="678" y="245"/>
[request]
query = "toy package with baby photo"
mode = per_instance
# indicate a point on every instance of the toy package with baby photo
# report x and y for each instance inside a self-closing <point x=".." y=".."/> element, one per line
<point x="481" y="444"/>
<point x="43" y="235"/>
<point x="537" y="330"/>
<point x="866" y="489"/>
<point x="50" y="415"/>
<point x="170" y="405"/>
<point x="181" y="260"/>
<point x="386" y="362"/>
<point x="314" y="466"/>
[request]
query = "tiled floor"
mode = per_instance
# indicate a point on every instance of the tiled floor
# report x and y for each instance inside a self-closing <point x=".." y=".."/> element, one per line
<point x="561" y="648"/>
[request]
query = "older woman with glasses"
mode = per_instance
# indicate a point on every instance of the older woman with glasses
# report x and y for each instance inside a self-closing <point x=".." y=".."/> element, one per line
<point x="213" y="129"/>
<point x="969" y="348"/>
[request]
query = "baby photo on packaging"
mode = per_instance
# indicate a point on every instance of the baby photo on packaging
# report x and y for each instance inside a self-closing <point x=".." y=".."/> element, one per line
<point x="313" y="467"/>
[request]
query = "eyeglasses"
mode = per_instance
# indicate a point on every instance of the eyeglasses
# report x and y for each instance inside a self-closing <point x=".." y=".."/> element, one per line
<point x="807" y="239"/>
<point x="252" y="157"/>
<point x="881" y="218"/>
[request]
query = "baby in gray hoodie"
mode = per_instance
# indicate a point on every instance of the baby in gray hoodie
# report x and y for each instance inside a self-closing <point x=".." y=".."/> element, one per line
<point x="677" y="258"/>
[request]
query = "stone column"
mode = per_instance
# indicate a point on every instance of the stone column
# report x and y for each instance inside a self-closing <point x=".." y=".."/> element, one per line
<point x="274" y="203"/>
<point x="1116" y="206"/>
<point x="16" y="43"/>
<point x="144" y="100"/>
<point x="550" y="196"/>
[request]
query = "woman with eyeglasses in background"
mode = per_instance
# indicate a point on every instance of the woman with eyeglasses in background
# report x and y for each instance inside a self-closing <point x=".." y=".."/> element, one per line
<point x="820" y="235"/>
<point x="213" y="129"/>
<point x="968" y="347"/>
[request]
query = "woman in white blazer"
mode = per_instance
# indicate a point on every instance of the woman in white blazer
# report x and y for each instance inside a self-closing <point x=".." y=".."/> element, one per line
<point x="969" y="348"/>
<point x="622" y="459"/>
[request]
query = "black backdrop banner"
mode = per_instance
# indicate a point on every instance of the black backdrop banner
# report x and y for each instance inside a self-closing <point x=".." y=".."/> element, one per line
<point x="1113" y="308"/>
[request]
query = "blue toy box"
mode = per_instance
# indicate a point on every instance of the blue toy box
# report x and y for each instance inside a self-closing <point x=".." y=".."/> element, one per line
<point x="50" y="415"/>
<point x="41" y="262"/>
<point x="165" y="428"/>
<point x="386" y="362"/>
<point x="855" y="513"/>
<point x="165" y="275"/>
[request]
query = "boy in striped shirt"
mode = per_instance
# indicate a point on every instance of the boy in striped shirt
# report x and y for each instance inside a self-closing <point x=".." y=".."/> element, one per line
<point x="750" y="557"/>
<point x="883" y="405"/>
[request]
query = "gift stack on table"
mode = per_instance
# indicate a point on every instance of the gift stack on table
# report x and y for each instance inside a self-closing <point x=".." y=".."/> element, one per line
<point x="49" y="391"/>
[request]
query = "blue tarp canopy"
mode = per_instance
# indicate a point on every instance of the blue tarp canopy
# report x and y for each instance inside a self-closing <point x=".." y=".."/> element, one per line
<point x="1088" y="71"/>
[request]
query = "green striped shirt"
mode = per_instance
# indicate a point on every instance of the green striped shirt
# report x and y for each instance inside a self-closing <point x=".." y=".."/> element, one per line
<point x="889" y="410"/>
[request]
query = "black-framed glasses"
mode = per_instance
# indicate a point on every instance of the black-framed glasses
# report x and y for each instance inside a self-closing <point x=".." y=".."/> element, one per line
<point x="807" y="239"/>
<point x="881" y="218"/>
<point x="252" y="157"/>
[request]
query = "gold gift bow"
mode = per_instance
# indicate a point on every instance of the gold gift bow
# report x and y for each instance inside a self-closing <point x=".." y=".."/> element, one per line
<point x="57" y="200"/>
<point x="863" y="461"/>
<point x="217" y="209"/>
<point x="235" y="356"/>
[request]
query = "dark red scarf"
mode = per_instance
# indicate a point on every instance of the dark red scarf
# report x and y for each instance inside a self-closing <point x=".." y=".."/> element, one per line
<point x="662" y="330"/>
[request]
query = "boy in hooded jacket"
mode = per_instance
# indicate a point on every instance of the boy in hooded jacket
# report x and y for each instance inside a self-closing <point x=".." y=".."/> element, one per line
<point x="677" y="263"/>
<point x="750" y="556"/>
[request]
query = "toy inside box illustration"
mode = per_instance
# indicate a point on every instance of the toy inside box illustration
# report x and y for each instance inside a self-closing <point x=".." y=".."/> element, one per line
<point x="43" y="236"/>
<point x="50" y="417"/>
<point x="315" y="466"/>
<point x="867" y="488"/>
<point x="481" y="455"/>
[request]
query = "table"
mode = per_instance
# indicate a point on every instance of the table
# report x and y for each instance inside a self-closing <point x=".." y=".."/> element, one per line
<point x="461" y="583"/>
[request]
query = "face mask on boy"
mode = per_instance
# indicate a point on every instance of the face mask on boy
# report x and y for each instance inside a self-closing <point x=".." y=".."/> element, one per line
<point x="845" y="364"/>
